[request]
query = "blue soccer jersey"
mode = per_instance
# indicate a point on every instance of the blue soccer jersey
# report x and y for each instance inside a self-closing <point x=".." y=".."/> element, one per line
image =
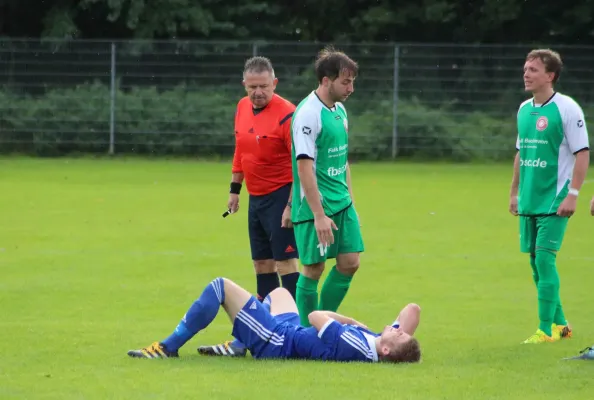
<point x="335" y="342"/>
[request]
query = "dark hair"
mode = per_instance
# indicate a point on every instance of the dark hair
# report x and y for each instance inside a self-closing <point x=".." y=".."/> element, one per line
<point x="409" y="351"/>
<point x="258" y="65"/>
<point x="551" y="59"/>
<point x="330" y="63"/>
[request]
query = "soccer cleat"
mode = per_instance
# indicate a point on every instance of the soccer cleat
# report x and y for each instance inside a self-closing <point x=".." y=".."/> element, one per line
<point x="585" y="354"/>
<point x="562" y="331"/>
<point x="155" y="350"/>
<point x="539" y="337"/>
<point x="227" y="349"/>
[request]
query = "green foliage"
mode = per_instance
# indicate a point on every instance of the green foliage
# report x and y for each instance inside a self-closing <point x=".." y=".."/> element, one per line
<point x="199" y="121"/>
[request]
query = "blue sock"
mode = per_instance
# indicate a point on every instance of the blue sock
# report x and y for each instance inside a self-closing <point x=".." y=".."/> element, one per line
<point x="199" y="316"/>
<point x="266" y="304"/>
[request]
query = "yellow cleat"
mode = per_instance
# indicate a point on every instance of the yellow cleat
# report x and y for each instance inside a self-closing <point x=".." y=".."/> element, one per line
<point x="562" y="331"/>
<point x="539" y="337"/>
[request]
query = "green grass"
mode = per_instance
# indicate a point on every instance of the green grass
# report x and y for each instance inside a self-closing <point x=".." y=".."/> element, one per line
<point x="101" y="256"/>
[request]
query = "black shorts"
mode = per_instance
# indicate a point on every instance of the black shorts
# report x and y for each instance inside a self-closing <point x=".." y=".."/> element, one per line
<point x="268" y="240"/>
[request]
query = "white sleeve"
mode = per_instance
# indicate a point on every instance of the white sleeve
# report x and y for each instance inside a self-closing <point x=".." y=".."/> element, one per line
<point x="574" y="125"/>
<point x="305" y="130"/>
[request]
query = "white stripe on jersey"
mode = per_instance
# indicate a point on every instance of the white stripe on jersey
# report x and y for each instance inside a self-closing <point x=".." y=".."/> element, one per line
<point x="357" y="344"/>
<point x="259" y="329"/>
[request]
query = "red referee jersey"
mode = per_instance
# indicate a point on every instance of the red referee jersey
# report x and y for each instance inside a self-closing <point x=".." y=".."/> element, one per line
<point x="263" y="145"/>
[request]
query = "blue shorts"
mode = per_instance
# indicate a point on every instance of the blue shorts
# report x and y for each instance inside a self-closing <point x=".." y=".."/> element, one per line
<point x="265" y="335"/>
<point x="268" y="240"/>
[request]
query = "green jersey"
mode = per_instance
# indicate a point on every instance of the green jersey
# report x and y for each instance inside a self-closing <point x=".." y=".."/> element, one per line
<point x="320" y="133"/>
<point x="549" y="136"/>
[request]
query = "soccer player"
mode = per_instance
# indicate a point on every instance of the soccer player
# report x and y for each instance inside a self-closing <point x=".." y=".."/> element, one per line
<point x="271" y="329"/>
<point x="549" y="169"/>
<point x="263" y="159"/>
<point x="324" y="217"/>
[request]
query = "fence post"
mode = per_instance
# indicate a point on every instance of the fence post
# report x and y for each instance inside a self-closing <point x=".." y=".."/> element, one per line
<point x="395" y="101"/>
<point x="254" y="49"/>
<point x="112" y="100"/>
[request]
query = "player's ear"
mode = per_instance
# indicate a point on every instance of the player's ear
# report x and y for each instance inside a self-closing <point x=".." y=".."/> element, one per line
<point x="385" y="351"/>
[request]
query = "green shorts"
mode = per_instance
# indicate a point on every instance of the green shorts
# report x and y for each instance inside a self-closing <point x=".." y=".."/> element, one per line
<point x="347" y="239"/>
<point x="546" y="232"/>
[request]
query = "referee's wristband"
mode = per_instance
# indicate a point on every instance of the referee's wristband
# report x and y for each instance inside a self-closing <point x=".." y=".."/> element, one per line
<point x="574" y="192"/>
<point x="235" y="188"/>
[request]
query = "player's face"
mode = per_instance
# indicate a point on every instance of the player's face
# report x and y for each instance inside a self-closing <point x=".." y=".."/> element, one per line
<point x="259" y="87"/>
<point x="391" y="338"/>
<point x="536" y="76"/>
<point x="342" y="87"/>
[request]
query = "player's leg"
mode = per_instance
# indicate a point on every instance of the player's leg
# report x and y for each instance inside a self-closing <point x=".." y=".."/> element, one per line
<point x="282" y="302"/>
<point x="408" y="319"/>
<point x="349" y="246"/>
<point x="263" y="258"/>
<point x="551" y="233"/>
<point x="265" y="269"/>
<point x="549" y="236"/>
<point x="313" y="257"/>
<point x="200" y="314"/>
<point x="282" y="240"/>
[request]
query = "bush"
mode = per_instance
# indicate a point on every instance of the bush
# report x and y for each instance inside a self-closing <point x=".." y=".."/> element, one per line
<point x="199" y="122"/>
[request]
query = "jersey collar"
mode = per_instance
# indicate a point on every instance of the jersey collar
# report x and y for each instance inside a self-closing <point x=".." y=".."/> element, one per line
<point x="371" y="343"/>
<point x="546" y="102"/>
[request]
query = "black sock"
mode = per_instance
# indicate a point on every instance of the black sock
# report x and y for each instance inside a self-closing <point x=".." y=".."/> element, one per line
<point x="290" y="282"/>
<point x="266" y="283"/>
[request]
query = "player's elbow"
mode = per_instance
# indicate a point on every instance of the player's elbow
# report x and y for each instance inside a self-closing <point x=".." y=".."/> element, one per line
<point x="313" y="316"/>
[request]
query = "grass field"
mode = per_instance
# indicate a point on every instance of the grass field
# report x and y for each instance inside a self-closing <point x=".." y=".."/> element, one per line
<point x="101" y="256"/>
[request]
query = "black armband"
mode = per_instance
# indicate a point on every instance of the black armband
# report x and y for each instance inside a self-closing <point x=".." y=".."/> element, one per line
<point x="235" y="188"/>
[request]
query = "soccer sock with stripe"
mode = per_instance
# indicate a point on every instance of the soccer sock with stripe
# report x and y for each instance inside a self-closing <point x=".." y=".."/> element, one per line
<point x="306" y="298"/>
<point x="266" y="283"/>
<point x="290" y="282"/>
<point x="200" y="314"/>
<point x="334" y="290"/>
<point x="548" y="289"/>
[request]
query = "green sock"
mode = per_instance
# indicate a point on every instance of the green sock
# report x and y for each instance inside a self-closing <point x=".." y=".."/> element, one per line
<point x="306" y="298"/>
<point x="559" y="318"/>
<point x="334" y="290"/>
<point x="534" y="270"/>
<point x="548" y="289"/>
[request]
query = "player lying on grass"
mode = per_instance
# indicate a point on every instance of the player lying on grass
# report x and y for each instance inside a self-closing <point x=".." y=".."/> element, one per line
<point x="271" y="330"/>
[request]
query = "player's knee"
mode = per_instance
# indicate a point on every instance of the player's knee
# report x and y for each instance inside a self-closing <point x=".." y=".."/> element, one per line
<point x="313" y="271"/>
<point x="348" y="265"/>
<point x="264" y="266"/>
<point x="289" y="266"/>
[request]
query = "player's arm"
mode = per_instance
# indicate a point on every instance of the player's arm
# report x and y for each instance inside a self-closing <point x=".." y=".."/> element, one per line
<point x="513" y="193"/>
<point x="349" y="184"/>
<point x="286" y="129"/>
<point x="576" y="133"/>
<point x="305" y="131"/>
<point x="236" y="173"/>
<point x="319" y="319"/>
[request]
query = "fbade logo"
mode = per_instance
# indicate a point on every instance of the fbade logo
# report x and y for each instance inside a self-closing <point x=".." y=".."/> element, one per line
<point x="533" y="163"/>
<point x="336" y="171"/>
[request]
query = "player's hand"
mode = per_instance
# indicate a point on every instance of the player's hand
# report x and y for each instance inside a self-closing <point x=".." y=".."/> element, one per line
<point x="592" y="207"/>
<point x="233" y="203"/>
<point x="324" y="226"/>
<point x="513" y="205"/>
<point x="567" y="207"/>
<point x="286" y="218"/>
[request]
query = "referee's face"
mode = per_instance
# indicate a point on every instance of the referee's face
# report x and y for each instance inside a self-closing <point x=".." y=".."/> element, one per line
<point x="259" y="87"/>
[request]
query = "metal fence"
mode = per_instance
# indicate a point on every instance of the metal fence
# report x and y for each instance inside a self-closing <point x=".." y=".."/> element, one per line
<point x="179" y="96"/>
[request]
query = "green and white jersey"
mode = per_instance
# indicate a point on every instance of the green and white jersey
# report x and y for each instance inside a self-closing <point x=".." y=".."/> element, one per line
<point x="549" y="135"/>
<point x="320" y="134"/>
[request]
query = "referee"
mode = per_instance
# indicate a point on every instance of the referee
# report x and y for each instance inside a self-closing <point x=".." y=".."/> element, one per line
<point x="262" y="160"/>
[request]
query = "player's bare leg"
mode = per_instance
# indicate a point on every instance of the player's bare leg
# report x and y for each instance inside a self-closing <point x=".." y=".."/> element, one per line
<point x="282" y="302"/>
<point x="219" y="292"/>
